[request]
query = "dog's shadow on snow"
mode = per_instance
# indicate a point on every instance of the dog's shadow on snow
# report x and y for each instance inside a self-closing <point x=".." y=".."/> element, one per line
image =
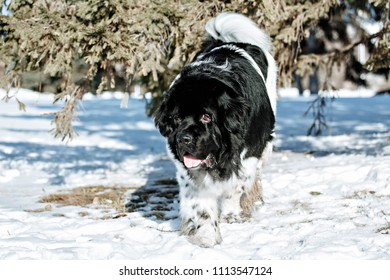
<point x="158" y="199"/>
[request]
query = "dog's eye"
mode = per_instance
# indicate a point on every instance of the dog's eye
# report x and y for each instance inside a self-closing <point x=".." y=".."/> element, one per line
<point x="205" y="118"/>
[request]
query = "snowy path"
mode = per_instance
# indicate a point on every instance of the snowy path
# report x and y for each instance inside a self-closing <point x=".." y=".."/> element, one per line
<point x="325" y="198"/>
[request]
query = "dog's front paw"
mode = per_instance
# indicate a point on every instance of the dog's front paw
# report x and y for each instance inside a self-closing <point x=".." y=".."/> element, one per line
<point x="206" y="235"/>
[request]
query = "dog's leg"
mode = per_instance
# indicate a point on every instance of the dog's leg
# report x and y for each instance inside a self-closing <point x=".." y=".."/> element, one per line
<point x="231" y="211"/>
<point x="199" y="215"/>
<point x="251" y="196"/>
<point x="254" y="193"/>
<point x="238" y="202"/>
<point x="237" y="205"/>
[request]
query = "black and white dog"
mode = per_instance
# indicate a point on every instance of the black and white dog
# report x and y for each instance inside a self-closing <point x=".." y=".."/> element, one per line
<point x="218" y="116"/>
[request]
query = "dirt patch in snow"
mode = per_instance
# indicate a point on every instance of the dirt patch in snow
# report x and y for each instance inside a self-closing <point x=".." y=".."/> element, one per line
<point x="158" y="201"/>
<point x="91" y="195"/>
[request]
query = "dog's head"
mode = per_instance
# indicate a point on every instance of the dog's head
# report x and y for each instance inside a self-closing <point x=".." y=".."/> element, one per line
<point x="203" y="119"/>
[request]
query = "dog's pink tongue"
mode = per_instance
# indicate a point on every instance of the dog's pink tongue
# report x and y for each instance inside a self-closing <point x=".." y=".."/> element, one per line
<point x="191" y="162"/>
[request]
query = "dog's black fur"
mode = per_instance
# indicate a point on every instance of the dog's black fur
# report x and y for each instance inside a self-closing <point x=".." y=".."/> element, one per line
<point x="237" y="101"/>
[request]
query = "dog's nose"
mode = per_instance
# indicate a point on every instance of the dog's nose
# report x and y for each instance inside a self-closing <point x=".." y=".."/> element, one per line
<point x="184" y="138"/>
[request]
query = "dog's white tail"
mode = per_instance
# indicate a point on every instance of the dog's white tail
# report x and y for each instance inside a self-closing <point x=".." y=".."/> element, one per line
<point x="231" y="27"/>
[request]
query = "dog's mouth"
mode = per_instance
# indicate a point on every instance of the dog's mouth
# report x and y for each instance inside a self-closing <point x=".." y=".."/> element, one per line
<point x="192" y="162"/>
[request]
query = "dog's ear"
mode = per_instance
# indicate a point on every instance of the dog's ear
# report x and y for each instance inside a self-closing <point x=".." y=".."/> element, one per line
<point x="235" y="113"/>
<point x="163" y="119"/>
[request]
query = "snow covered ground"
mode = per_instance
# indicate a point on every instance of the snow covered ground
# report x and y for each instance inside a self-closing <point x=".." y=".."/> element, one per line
<point x="325" y="197"/>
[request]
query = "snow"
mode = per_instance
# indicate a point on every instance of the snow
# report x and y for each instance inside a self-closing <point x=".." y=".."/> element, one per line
<point x="325" y="197"/>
